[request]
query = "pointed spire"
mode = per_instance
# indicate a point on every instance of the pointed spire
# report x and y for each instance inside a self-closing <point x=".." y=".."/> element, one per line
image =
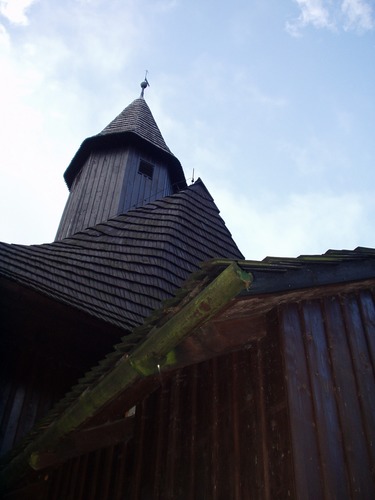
<point x="144" y="85"/>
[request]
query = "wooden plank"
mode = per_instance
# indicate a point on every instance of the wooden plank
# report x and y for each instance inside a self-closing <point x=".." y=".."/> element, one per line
<point x="263" y="435"/>
<point x="214" y="429"/>
<point x="358" y="461"/>
<point x="248" y="431"/>
<point x="106" y="473"/>
<point x="85" y="441"/>
<point x="362" y="367"/>
<point x="65" y="484"/>
<point x="109" y="188"/>
<point x="74" y="478"/>
<point x="235" y="412"/>
<point x="139" y="451"/>
<point x="323" y="394"/>
<point x="112" y="204"/>
<point x="279" y="440"/>
<point x="98" y="163"/>
<point x="121" y="465"/>
<point x="192" y="415"/>
<point x="225" y="441"/>
<point x="27" y="416"/>
<point x="368" y="317"/>
<point x="306" y="462"/>
<point x="82" y="195"/>
<point x="13" y="409"/>
<point x="173" y="451"/>
<point x="80" y="486"/>
<point x="203" y="441"/>
<point x="93" y="474"/>
<point x="161" y="417"/>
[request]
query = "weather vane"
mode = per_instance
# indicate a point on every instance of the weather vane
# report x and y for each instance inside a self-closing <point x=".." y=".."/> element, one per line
<point x="144" y="84"/>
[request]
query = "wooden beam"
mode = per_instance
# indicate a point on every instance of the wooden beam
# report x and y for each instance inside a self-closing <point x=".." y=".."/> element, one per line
<point x="87" y="440"/>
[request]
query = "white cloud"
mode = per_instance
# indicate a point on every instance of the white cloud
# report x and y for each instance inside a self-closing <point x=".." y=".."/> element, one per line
<point x="15" y="10"/>
<point x="313" y="12"/>
<point x="354" y="15"/>
<point x="358" y="15"/>
<point x="4" y="39"/>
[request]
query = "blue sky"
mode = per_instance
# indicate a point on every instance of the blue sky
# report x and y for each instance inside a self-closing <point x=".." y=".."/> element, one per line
<point x="271" y="103"/>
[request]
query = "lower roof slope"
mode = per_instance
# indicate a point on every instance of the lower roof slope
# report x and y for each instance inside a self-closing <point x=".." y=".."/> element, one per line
<point x="123" y="269"/>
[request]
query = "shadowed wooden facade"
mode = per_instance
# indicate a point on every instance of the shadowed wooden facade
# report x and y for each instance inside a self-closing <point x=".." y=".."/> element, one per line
<point x="242" y="380"/>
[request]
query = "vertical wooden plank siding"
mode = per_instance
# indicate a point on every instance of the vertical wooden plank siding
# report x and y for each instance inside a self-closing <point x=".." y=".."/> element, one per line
<point x="327" y="423"/>
<point x="331" y="390"/>
<point x="191" y="412"/>
<point x="109" y="184"/>
<point x="366" y="299"/>
<point x="354" y="440"/>
<point x="234" y="389"/>
<point x="30" y="386"/>
<point x="201" y="435"/>
<point x="289" y="416"/>
<point x="306" y="458"/>
<point x="281" y="483"/>
<point x="363" y="368"/>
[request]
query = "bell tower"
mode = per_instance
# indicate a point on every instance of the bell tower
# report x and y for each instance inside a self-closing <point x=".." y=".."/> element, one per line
<point x="123" y="167"/>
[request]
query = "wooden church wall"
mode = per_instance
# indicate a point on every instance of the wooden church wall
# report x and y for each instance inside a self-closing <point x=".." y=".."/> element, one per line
<point x="95" y="190"/>
<point x="290" y="416"/>
<point x="139" y="189"/>
<point x="329" y="366"/>
<point x="215" y="430"/>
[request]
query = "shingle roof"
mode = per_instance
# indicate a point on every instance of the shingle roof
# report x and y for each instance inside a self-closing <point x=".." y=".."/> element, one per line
<point x="137" y="118"/>
<point x="122" y="269"/>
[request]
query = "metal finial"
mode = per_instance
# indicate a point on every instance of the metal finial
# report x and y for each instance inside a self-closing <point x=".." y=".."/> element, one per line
<point x="144" y="84"/>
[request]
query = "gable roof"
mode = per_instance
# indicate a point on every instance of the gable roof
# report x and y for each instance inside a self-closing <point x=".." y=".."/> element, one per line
<point x="121" y="270"/>
<point x="136" y="126"/>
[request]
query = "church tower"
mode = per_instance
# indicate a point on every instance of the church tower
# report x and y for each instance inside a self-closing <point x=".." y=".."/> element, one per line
<point x="125" y="166"/>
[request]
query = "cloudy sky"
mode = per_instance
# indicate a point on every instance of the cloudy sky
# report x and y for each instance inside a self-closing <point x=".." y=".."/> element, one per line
<point x="271" y="103"/>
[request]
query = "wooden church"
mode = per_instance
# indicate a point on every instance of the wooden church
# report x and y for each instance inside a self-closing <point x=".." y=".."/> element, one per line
<point x="144" y="358"/>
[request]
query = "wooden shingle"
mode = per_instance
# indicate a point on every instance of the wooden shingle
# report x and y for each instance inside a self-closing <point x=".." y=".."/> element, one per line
<point x="121" y="270"/>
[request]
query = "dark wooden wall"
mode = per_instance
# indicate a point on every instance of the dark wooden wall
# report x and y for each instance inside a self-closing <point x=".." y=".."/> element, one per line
<point x="109" y="184"/>
<point x="290" y="416"/>
<point x="138" y="189"/>
<point x="26" y="393"/>
<point x="329" y="366"/>
<point x="45" y="348"/>
<point x="216" y="430"/>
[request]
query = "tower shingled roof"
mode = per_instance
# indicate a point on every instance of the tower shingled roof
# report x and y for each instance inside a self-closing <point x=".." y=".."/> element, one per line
<point x="137" y="118"/>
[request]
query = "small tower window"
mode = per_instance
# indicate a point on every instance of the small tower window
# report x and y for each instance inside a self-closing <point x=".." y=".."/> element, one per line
<point x="146" y="169"/>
